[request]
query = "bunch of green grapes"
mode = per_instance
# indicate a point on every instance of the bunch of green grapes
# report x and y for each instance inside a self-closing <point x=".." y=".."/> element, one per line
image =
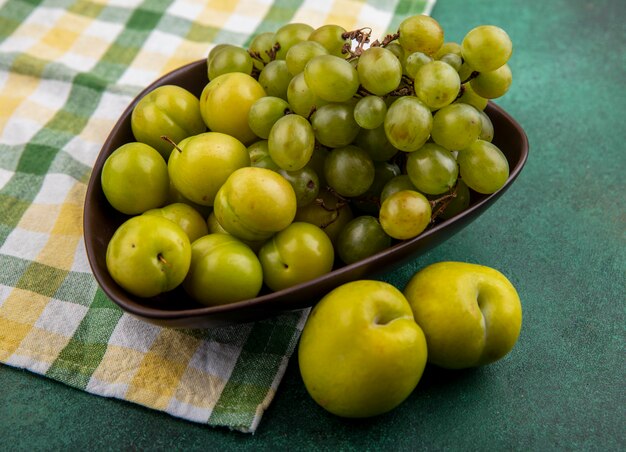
<point x="393" y="129"/>
<point x="369" y="141"/>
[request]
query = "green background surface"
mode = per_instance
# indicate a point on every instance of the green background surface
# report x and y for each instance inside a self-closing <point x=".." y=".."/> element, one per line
<point x="558" y="233"/>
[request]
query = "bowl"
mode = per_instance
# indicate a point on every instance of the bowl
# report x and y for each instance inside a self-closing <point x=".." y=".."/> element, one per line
<point x="176" y="309"/>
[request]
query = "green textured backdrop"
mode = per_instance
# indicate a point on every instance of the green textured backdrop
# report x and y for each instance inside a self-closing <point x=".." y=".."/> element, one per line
<point x="558" y="233"/>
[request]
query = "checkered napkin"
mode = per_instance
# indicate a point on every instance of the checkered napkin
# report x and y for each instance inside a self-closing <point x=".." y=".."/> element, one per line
<point x="68" y="68"/>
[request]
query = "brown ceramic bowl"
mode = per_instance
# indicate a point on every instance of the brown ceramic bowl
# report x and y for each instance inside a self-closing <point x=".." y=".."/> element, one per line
<point x="176" y="309"/>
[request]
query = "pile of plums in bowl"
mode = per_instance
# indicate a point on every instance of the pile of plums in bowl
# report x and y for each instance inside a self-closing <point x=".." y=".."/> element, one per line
<point x="256" y="180"/>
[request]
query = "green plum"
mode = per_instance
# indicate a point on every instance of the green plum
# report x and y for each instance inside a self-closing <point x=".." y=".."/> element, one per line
<point x="223" y="270"/>
<point x="225" y="103"/>
<point x="361" y="353"/>
<point x="299" y="253"/>
<point x="471" y="314"/>
<point x="215" y="226"/>
<point x="201" y="164"/>
<point x="148" y="255"/>
<point x="134" y="179"/>
<point x="170" y="111"/>
<point x="175" y="196"/>
<point x="185" y="216"/>
<point x="254" y="203"/>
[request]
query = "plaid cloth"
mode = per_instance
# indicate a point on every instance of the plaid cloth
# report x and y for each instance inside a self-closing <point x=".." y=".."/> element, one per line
<point x="68" y="68"/>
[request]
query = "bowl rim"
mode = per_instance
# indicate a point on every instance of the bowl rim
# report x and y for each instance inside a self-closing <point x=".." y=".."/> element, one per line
<point x="267" y="300"/>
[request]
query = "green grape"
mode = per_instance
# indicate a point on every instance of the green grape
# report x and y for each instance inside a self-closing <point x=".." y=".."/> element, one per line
<point x="349" y="170"/>
<point x="437" y="84"/>
<point x="217" y="49"/>
<point x="360" y="238"/>
<point x="383" y="173"/>
<point x="484" y="168"/>
<point x="456" y="126"/>
<point x="486" y="130"/>
<point x="379" y="70"/>
<point x="369" y="202"/>
<point x="329" y="212"/>
<point x="398" y="51"/>
<point x="305" y="183"/>
<point x="449" y="47"/>
<point x="395" y="48"/>
<point x="291" y="142"/>
<point x="396" y="184"/>
<point x="264" y="113"/>
<point x="420" y="33"/>
<point x="331" y="37"/>
<point x="334" y="125"/>
<point x="405" y="214"/>
<point x="316" y="162"/>
<point x="459" y="203"/>
<point x="415" y="61"/>
<point x="408" y="123"/>
<point x="486" y="48"/>
<point x="370" y="111"/>
<point x="375" y="142"/>
<point x="301" y="98"/>
<point x="331" y="78"/>
<point x="262" y="45"/>
<point x="275" y="78"/>
<point x="465" y="72"/>
<point x="290" y="34"/>
<point x="469" y="97"/>
<point x="229" y="59"/>
<point x="494" y="83"/>
<point x="453" y="60"/>
<point x="299" y="55"/>
<point x="260" y="156"/>
<point x="432" y="169"/>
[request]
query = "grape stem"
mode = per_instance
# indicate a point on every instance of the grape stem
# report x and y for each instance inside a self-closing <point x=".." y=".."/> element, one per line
<point x="340" y="203"/>
<point x="361" y="36"/>
<point x="440" y="204"/>
<point x="461" y="92"/>
<point x="472" y="76"/>
<point x="271" y="53"/>
<point x="386" y="40"/>
<point x="342" y="200"/>
<point x="256" y="56"/>
<point x="403" y="90"/>
<point x="406" y="88"/>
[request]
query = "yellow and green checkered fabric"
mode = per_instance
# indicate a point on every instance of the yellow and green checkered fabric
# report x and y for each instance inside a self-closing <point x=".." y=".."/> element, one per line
<point x="68" y="68"/>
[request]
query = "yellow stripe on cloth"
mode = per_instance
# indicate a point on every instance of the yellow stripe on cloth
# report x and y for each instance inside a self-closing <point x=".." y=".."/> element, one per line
<point x="67" y="72"/>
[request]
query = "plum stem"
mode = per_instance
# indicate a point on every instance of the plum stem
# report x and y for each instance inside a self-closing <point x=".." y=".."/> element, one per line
<point x="163" y="260"/>
<point x="170" y="141"/>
